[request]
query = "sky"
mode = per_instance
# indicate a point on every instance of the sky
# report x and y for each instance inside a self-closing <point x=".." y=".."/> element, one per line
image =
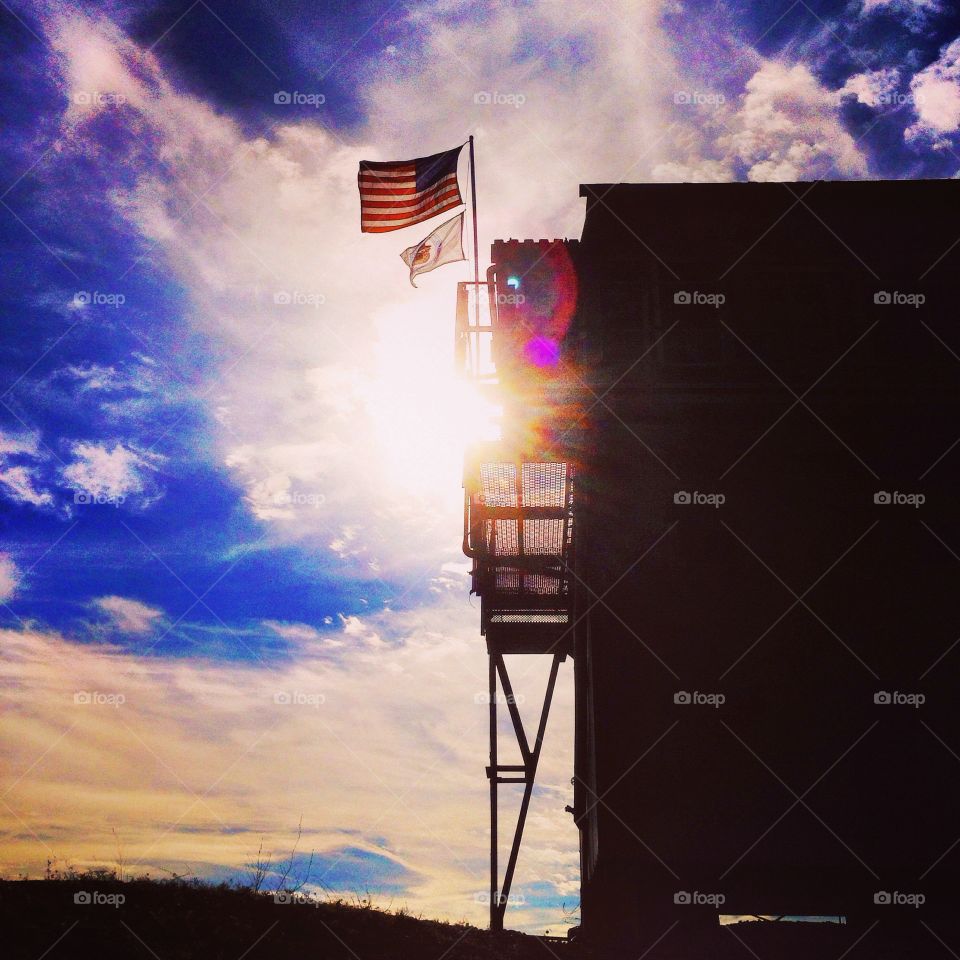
<point x="232" y="595"/>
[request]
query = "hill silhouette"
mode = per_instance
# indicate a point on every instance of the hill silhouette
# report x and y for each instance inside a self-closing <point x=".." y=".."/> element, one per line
<point x="96" y="915"/>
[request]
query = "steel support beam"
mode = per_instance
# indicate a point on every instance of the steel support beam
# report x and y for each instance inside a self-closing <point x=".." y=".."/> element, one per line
<point x="528" y="770"/>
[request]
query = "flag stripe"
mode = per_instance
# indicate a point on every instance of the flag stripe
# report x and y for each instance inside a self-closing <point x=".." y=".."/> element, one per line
<point x="383" y="218"/>
<point x="369" y="177"/>
<point x="377" y="227"/>
<point x="402" y="213"/>
<point x="407" y="203"/>
<point x="406" y="191"/>
<point x="399" y="194"/>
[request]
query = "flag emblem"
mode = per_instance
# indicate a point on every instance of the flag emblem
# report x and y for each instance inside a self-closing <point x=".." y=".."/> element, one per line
<point x="444" y="245"/>
<point x="395" y="194"/>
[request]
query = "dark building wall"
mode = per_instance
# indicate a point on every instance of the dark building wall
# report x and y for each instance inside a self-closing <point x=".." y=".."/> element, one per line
<point x="799" y="598"/>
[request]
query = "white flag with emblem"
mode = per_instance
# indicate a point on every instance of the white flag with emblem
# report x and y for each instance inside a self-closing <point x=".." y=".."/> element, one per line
<point x="444" y="245"/>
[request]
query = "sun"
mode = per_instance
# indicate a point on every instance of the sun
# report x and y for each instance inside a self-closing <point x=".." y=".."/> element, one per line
<point x="424" y="413"/>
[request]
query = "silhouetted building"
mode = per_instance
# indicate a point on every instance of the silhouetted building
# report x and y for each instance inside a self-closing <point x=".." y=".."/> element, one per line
<point x="727" y="486"/>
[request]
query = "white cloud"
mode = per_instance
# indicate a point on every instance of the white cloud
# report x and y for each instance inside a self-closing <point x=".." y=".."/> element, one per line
<point x="936" y="95"/>
<point x="787" y="128"/>
<point x="130" y="616"/>
<point x="27" y="443"/>
<point x="873" y="87"/>
<point x="9" y="577"/>
<point x="22" y="482"/>
<point x="912" y="8"/>
<point x="114" y="472"/>
<point x="698" y="171"/>
<point x="303" y="636"/>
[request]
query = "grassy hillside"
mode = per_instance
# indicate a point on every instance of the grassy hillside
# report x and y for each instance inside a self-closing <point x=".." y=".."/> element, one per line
<point x="95" y="915"/>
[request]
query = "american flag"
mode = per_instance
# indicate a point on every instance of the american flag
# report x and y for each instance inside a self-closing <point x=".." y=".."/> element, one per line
<point x="399" y="193"/>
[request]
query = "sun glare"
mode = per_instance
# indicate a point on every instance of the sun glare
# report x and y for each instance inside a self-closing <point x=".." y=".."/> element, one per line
<point x="424" y="414"/>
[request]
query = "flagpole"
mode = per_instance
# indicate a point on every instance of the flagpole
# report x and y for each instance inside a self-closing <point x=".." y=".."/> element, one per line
<point x="476" y="242"/>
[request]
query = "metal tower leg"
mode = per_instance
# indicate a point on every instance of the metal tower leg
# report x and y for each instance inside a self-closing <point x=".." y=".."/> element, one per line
<point x="496" y="917"/>
<point x="524" y="773"/>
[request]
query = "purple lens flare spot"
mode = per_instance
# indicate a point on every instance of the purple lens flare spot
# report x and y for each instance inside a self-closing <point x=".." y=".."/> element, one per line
<point x="542" y="351"/>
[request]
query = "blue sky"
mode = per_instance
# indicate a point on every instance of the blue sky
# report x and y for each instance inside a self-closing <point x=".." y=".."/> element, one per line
<point x="212" y="499"/>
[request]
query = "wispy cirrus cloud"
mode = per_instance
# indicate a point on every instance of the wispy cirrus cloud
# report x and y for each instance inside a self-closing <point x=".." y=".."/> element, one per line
<point x="21" y="479"/>
<point x="9" y="577"/>
<point x="130" y="616"/>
